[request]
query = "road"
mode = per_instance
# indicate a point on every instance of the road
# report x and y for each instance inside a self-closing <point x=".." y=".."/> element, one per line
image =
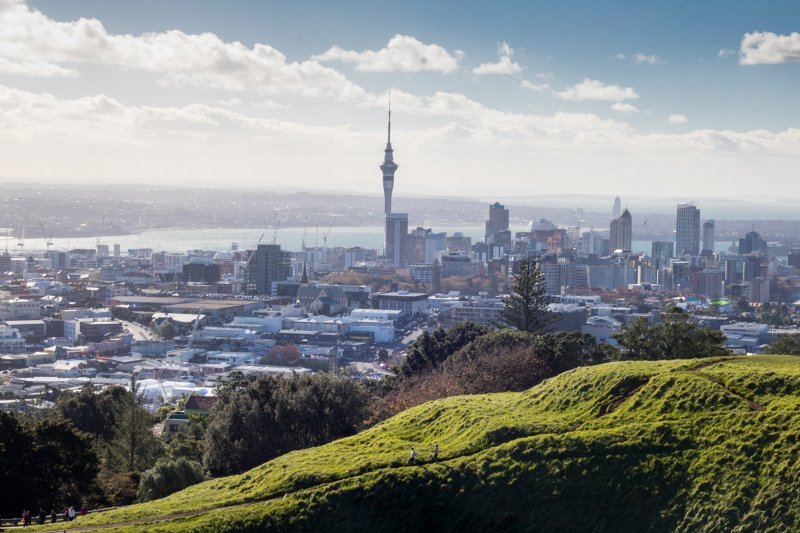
<point x="140" y="333"/>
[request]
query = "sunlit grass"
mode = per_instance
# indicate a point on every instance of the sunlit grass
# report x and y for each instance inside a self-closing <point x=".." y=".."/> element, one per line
<point x="621" y="446"/>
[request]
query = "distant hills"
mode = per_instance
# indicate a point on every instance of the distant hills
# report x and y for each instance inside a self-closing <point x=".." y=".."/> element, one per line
<point x="72" y="211"/>
<point x="697" y="445"/>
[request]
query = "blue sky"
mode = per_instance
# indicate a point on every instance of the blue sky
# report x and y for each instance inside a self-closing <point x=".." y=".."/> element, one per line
<point x="502" y="99"/>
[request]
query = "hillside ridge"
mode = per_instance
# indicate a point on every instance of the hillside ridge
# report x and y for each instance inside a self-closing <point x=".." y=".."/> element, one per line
<point x="686" y="444"/>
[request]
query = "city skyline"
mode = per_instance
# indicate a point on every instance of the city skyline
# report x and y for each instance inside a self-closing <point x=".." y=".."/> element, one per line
<point x="523" y="100"/>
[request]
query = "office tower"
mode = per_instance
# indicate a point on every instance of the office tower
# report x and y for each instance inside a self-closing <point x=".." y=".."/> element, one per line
<point x="752" y="242"/>
<point x="708" y="236"/>
<point x="267" y="264"/>
<point x="661" y="249"/>
<point x="617" y="211"/>
<point x="388" y="168"/>
<point x="498" y="221"/>
<point x="5" y="262"/>
<point x="396" y="238"/>
<point x="687" y="230"/>
<point x="621" y="232"/>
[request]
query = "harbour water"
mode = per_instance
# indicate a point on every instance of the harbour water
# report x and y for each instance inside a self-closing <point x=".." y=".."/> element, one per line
<point x="221" y="239"/>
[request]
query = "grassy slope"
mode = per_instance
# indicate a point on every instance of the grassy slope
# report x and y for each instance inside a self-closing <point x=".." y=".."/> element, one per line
<point x="623" y="446"/>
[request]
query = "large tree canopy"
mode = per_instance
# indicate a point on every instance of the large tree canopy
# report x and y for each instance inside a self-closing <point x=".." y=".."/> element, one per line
<point x="526" y="307"/>
<point x="430" y="350"/>
<point x="254" y="421"/>
<point x="675" y="338"/>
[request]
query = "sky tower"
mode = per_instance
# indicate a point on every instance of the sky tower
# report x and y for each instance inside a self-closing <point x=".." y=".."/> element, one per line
<point x="388" y="168"/>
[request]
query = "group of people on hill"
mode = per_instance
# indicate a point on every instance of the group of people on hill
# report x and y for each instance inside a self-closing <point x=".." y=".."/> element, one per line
<point x="434" y="458"/>
<point x="69" y="514"/>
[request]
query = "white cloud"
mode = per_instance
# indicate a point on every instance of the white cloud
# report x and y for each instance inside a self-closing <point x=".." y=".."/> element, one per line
<point x="624" y="108"/>
<point x="620" y="56"/>
<point x="650" y="59"/>
<point x="403" y="53"/>
<point x="725" y="52"/>
<point x="28" y="37"/>
<point x="35" y="69"/>
<point x="767" y="48"/>
<point x="504" y="64"/>
<point x="677" y="118"/>
<point x="590" y="89"/>
<point x="535" y="87"/>
<point x="103" y="138"/>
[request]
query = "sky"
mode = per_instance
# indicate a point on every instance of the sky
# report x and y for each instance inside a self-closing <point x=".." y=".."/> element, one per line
<point x="496" y="99"/>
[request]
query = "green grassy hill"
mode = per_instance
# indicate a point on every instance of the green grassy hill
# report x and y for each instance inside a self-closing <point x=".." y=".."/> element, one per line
<point x="632" y="446"/>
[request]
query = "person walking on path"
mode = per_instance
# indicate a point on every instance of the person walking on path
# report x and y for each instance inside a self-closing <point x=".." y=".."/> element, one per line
<point x="42" y="516"/>
<point x="53" y="515"/>
<point x="71" y="513"/>
<point x="413" y="456"/>
<point x="435" y="453"/>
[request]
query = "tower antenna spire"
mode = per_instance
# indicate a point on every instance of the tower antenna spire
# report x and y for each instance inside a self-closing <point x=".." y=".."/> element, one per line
<point x="389" y="135"/>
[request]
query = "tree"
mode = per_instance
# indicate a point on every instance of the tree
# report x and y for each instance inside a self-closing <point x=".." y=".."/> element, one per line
<point x="134" y="448"/>
<point x="526" y="307"/>
<point x="92" y="413"/>
<point x="168" y="476"/>
<point x="429" y="350"/>
<point x="188" y="442"/>
<point x="167" y="330"/>
<point x="258" y="420"/>
<point x="64" y="464"/>
<point x="786" y="345"/>
<point x="675" y="338"/>
<point x="16" y="442"/>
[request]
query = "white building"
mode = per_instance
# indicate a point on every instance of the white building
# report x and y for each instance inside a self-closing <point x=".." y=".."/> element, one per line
<point x="382" y="330"/>
<point x="11" y="341"/>
<point x="19" y="309"/>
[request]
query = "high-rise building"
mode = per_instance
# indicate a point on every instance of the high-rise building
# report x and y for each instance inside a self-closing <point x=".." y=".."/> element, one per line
<point x="621" y="232"/>
<point x="388" y="168"/>
<point x="617" y="211"/>
<point x="662" y="249"/>
<point x="708" y="236"/>
<point x="752" y="242"/>
<point x="396" y="238"/>
<point x="687" y="230"/>
<point x="267" y="264"/>
<point x="497" y="222"/>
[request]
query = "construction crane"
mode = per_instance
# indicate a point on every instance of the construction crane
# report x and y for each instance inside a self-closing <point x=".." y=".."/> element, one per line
<point x="325" y="234"/>
<point x="275" y="228"/>
<point x="48" y="240"/>
<point x="21" y="242"/>
<point x="250" y="259"/>
<point x="194" y="327"/>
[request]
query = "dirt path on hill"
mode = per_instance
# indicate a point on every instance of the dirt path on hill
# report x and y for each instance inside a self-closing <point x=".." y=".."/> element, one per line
<point x="754" y="406"/>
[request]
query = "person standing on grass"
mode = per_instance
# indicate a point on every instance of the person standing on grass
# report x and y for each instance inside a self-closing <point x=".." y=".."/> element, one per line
<point x="435" y="453"/>
<point x="413" y="456"/>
